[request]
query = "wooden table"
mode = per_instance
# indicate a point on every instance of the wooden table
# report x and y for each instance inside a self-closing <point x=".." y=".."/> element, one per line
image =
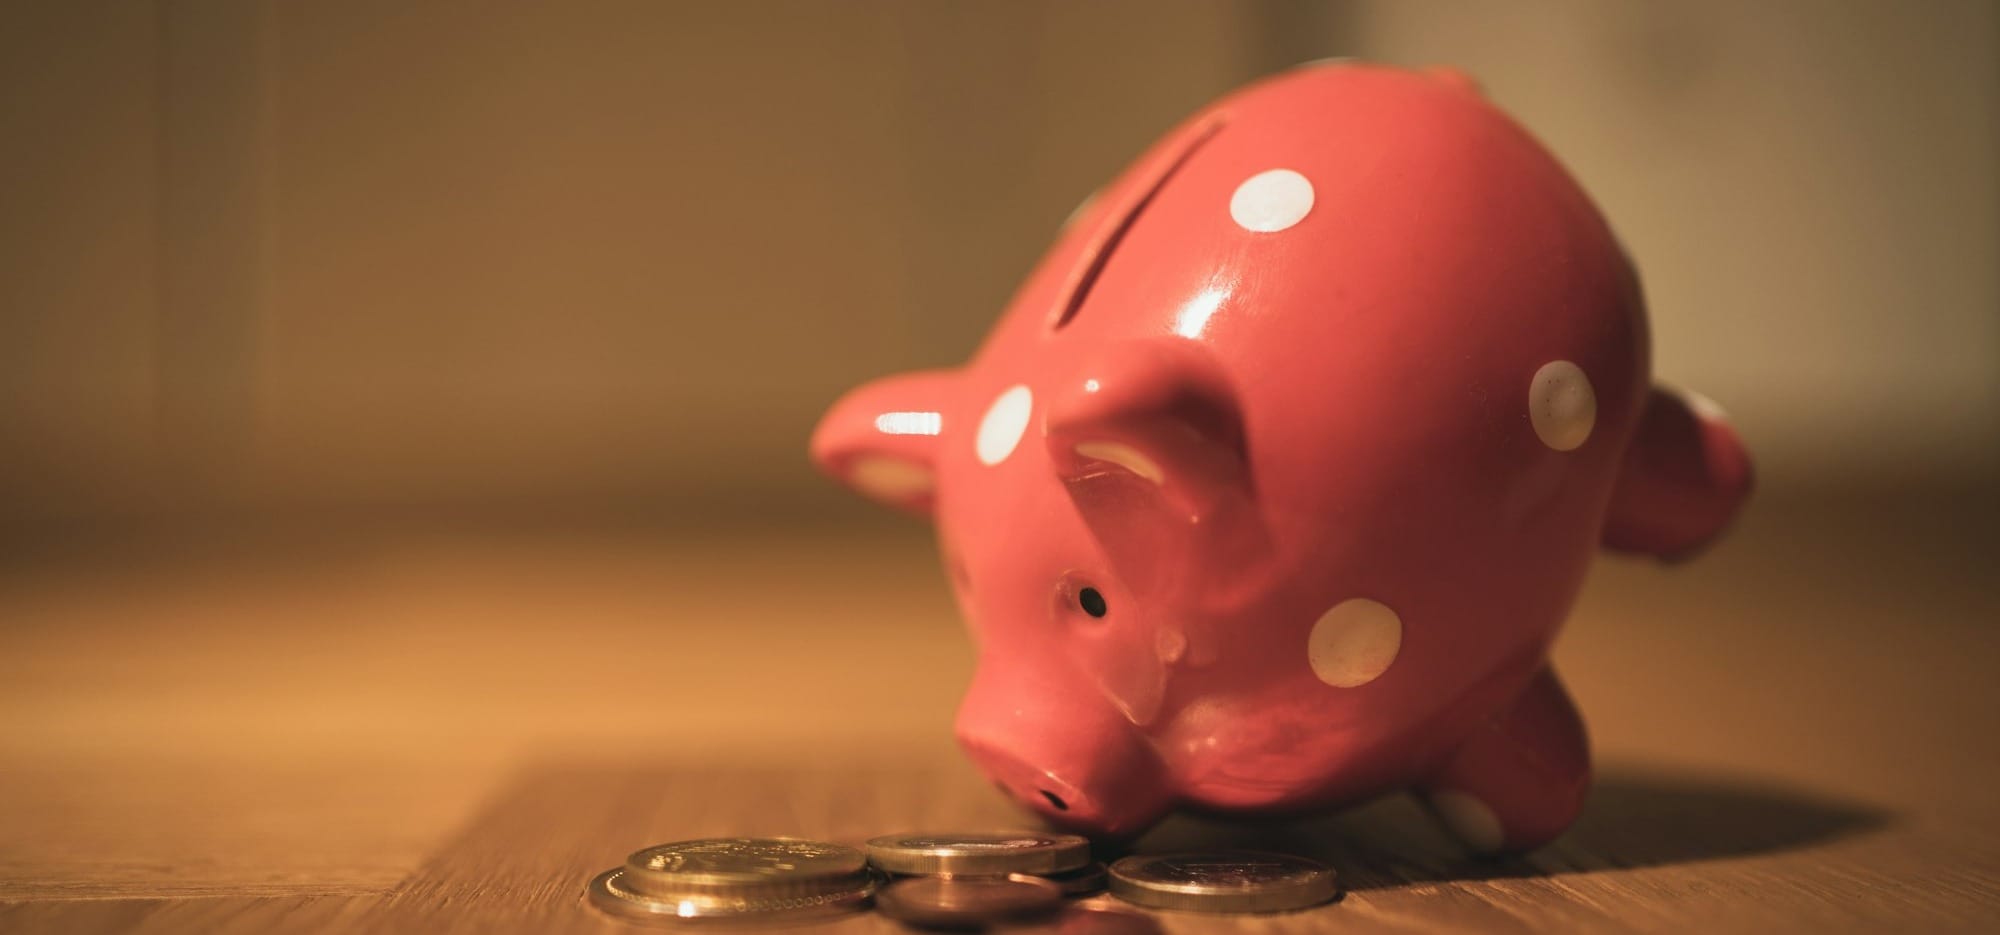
<point x="394" y="729"/>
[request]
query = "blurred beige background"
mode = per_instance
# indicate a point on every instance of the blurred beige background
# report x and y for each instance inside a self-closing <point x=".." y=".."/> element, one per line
<point x="310" y="259"/>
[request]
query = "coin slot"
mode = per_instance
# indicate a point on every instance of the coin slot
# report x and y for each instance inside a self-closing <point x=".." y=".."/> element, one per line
<point x="1100" y="255"/>
<point x="1054" y="799"/>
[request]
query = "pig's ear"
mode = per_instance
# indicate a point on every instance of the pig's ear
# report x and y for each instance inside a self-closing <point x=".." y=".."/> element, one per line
<point x="881" y="438"/>
<point x="1149" y="442"/>
<point x="1684" y="477"/>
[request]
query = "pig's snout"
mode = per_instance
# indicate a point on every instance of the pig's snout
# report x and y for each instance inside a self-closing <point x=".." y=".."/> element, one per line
<point x="1064" y="752"/>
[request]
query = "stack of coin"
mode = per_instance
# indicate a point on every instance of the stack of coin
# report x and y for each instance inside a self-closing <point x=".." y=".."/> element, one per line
<point x="973" y="879"/>
<point x="777" y="879"/>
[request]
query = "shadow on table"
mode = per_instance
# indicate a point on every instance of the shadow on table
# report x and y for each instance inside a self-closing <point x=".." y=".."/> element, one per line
<point x="1636" y="817"/>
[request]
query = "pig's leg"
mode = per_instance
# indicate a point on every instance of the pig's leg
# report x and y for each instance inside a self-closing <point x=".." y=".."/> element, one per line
<point x="1521" y="779"/>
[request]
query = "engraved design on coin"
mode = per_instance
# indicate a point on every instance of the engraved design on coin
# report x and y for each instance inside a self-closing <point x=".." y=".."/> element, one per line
<point x="748" y="855"/>
<point x="1208" y="870"/>
<point x="995" y="853"/>
<point x="743" y="868"/>
<point x="762" y="878"/>
<point x="1240" y="881"/>
<point x="973" y="844"/>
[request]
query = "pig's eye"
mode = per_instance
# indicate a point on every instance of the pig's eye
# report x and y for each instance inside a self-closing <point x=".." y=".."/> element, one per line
<point x="1091" y="602"/>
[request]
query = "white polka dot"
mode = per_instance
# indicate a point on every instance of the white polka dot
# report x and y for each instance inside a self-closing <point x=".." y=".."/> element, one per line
<point x="1469" y="820"/>
<point x="1271" y="201"/>
<point x="1004" y="424"/>
<point x="1354" y="643"/>
<point x="1561" y="405"/>
<point x="892" y="479"/>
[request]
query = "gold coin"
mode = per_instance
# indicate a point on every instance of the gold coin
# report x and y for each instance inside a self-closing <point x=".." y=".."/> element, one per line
<point x="1082" y="881"/>
<point x="743" y="867"/>
<point x="611" y="894"/>
<point x="966" y="902"/>
<point x="1233" y="881"/>
<point x="979" y="853"/>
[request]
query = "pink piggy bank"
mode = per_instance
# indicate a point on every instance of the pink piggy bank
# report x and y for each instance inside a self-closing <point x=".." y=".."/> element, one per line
<point x="1273" y="485"/>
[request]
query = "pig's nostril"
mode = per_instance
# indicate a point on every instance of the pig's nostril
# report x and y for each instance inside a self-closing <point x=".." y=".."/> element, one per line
<point x="1055" y="800"/>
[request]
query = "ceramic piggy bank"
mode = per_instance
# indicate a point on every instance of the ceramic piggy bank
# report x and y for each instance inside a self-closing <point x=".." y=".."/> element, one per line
<point x="1274" y="483"/>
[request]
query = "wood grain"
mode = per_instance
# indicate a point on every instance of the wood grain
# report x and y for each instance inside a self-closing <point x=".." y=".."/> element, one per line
<point x="400" y="730"/>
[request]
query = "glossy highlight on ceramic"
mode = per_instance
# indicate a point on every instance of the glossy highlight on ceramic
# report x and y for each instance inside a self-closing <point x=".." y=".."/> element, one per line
<point x="1274" y="483"/>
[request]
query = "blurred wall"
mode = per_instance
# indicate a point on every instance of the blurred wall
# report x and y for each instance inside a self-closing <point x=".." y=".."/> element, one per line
<point x="296" y="257"/>
<point x="1811" y="190"/>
